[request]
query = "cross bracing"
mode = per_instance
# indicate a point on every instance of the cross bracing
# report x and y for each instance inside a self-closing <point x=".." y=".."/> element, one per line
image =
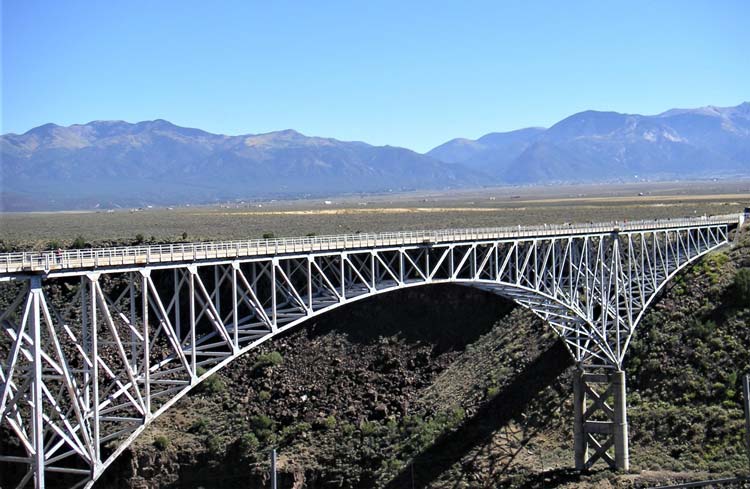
<point x="82" y="375"/>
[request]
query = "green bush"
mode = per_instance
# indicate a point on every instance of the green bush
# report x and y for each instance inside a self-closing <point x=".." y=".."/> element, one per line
<point x="214" y="384"/>
<point x="290" y="432"/>
<point x="79" y="242"/>
<point x="261" y="421"/>
<point x="268" y="236"/>
<point x="330" y="422"/>
<point x="249" y="443"/>
<point x="368" y="428"/>
<point x="742" y="287"/>
<point x="161" y="442"/>
<point x="264" y="395"/>
<point x="268" y="360"/>
<point x="214" y="444"/>
<point x="199" y="427"/>
<point x="210" y="385"/>
<point x="54" y="245"/>
<point x="263" y="427"/>
<point x="347" y="428"/>
<point x="327" y="423"/>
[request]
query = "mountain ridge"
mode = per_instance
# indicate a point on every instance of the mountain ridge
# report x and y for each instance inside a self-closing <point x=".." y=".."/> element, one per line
<point x="114" y="163"/>
<point x="121" y="164"/>
<point x="704" y="142"/>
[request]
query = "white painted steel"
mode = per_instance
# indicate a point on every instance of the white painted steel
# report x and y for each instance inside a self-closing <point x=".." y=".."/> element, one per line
<point x="81" y="379"/>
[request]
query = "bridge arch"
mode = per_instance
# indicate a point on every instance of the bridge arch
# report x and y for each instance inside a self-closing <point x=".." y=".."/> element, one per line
<point x="137" y="337"/>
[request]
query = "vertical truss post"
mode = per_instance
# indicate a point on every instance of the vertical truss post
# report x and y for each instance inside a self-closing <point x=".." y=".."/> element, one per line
<point x="94" y="337"/>
<point x="85" y="340"/>
<point x="217" y="291"/>
<point x="235" y="317"/>
<point x="309" y="283"/>
<point x="177" y="287"/>
<point x="274" y="309"/>
<point x="133" y="323"/>
<point x="146" y="340"/>
<point x="192" y="270"/>
<point x="36" y="383"/>
<point x="600" y="418"/>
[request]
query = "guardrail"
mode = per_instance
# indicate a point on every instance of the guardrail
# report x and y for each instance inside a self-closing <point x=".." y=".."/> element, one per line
<point x="134" y="255"/>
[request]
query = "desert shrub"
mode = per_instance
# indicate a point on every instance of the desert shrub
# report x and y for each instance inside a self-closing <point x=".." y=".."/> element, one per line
<point x="79" y="242"/>
<point x="268" y="360"/>
<point x="53" y="245"/>
<point x="210" y="385"/>
<point x="263" y="427"/>
<point x="161" y="442"/>
<point x="214" y="444"/>
<point x="368" y="428"/>
<point x="249" y="443"/>
<point x="199" y="426"/>
<point x="327" y="423"/>
<point x="742" y="287"/>
<point x="291" y="431"/>
<point x="347" y="428"/>
<point x="268" y="236"/>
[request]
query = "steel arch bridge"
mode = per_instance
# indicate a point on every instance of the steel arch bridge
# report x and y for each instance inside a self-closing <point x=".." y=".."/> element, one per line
<point x="81" y="377"/>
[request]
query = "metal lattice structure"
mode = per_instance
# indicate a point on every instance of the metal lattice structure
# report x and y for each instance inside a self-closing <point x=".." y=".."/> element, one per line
<point x="98" y="343"/>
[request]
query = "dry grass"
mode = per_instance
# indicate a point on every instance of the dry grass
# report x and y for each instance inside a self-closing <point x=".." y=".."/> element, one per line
<point x="486" y="208"/>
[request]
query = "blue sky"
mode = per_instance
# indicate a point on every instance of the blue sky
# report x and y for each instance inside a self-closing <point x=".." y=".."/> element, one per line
<point x="411" y="74"/>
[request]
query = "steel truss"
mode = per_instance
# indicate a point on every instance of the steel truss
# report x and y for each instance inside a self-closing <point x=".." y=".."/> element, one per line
<point x="91" y="357"/>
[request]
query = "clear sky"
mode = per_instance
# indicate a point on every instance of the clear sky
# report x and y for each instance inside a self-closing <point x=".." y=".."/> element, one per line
<point x="404" y="73"/>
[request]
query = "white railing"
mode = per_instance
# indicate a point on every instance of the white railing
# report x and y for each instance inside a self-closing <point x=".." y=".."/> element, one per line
<point x="176" y="252"/>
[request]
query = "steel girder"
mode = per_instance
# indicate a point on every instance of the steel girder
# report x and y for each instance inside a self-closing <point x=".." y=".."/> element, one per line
<point x="84" y="371"/>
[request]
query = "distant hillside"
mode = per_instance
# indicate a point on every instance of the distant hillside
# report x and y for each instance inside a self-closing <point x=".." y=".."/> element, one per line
<point x="596" y="146"/>
<point x="114" y="163"/>
<point x="111" y="164"/>
<point x="490" y="152"/>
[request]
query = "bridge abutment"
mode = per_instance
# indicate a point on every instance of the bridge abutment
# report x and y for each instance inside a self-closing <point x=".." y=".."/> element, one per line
<point x="600" y="421"/>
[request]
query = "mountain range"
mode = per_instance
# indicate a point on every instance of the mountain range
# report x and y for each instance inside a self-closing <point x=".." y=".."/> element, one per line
<point x="118" y="164"/>
<point x="599" y="146"/>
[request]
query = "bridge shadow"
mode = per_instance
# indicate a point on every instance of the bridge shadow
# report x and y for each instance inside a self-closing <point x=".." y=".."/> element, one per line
<point x="446" y="316"/>
<point x="492" y="417"/>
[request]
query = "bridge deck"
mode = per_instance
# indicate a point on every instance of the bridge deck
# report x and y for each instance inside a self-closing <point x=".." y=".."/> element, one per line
<point x="83" y="259"/>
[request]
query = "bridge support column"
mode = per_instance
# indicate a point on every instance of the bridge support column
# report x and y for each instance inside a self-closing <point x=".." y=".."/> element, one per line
<point x="600" y="430"/>
<point x="580" y="446"/>
<point x="622" y="457"/>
